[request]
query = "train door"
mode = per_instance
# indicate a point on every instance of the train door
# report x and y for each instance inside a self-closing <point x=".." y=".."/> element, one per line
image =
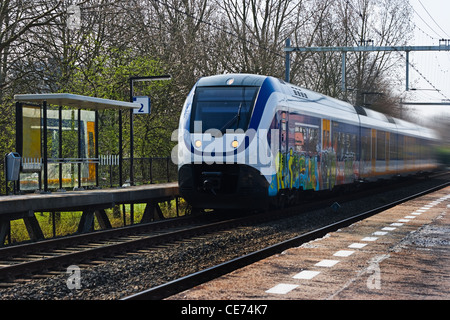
<point x="283" y="127"/>
<point x="327" y="156"/>
<point x="326" y="134"/>
<point x="281" y="165"/>
<point x="284" y="148"/>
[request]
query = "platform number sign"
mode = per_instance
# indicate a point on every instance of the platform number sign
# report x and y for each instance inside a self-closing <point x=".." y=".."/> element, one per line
<point x="145" y="105"/>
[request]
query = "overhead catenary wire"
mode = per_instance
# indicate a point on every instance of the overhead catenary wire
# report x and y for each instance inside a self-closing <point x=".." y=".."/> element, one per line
<point x="401" y="54"/>
<point x="420" y="17"/>
<point x="433" y="19"/>
<point x="437" y="65"/>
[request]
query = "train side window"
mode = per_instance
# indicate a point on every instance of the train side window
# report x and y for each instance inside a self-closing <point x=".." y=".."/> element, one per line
<point x="353" y="146"/>
<point x="299" y="139"/>
<point x="365" y="144"/>
<point x="340" y="145"/>
<point x="381" y="145"/>
<point x="392" y="146"/>
<point x="400" y="148"/>
<point x="313" y="140"/>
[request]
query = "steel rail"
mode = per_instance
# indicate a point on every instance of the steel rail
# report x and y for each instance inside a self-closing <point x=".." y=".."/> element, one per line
<point x="197" y="278"/>
<point x="78" y="239"/>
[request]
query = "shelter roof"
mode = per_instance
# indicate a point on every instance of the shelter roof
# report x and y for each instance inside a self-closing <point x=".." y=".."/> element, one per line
<point x="76" y="101"/>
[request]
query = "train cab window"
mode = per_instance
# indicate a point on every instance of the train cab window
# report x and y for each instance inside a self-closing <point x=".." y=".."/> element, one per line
<point x="223" y="108"/>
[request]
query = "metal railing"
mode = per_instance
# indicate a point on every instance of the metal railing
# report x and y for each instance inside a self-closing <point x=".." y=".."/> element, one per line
<point x="147" y="170"/>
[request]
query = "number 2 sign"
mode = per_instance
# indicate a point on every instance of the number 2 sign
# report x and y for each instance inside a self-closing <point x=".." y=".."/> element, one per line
<point x="144" y="101"/>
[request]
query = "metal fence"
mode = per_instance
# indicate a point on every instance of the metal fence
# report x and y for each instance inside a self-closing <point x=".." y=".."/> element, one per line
<point x="147" y="170"/>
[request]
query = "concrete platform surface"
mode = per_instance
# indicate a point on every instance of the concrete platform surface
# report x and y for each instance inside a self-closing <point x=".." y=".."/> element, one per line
<point x="402" y="253"/>
<point x="79" y="199"/>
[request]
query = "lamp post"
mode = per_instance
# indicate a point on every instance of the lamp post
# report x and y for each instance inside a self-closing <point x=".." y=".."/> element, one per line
<point x="132" y="80"/>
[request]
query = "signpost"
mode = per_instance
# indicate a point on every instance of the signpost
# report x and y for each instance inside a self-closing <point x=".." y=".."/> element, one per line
<point x="145" y="103"/>
<point x="144" y="109"/>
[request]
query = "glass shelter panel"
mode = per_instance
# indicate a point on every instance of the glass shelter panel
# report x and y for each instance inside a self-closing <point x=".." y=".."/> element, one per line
<point x="60" y="166"/>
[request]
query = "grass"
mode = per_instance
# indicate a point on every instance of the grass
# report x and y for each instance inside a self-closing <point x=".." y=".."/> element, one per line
<point x="66" y="223"/>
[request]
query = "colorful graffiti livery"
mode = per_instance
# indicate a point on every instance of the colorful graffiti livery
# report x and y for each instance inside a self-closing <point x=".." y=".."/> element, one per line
<point x="301" y="157"/>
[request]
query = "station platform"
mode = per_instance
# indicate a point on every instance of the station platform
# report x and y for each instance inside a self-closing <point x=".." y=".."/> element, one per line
<point x="400" y="254"/>
<point x="86" y="198"/>
<point x="90" y="202"/>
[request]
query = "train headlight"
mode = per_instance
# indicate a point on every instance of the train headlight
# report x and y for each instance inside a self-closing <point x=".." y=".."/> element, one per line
<point x="235" y="144"/>
<point x="198" y="143"/>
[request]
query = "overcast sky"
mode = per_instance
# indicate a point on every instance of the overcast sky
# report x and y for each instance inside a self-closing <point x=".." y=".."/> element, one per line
<point x="431" y="18"/>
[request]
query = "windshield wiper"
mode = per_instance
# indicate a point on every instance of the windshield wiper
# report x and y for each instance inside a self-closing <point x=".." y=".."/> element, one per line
<point x="239" y="114"/>
<point x="231" y="121"/>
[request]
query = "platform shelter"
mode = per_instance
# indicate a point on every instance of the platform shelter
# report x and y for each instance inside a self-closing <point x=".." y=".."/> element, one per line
<point x="36" y="122"/>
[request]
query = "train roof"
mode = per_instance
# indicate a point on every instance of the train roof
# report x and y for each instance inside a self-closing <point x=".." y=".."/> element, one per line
<point x="402" y="126"/>
<point x="368" y="117"/>
<point x="314" y="97"/>
<point x="240" y="79"/>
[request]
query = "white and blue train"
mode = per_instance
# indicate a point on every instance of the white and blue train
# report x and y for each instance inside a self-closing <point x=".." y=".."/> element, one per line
<point x="249" y="141"/>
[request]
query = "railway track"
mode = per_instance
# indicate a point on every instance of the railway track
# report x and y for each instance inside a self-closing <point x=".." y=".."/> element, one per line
<point x="192" y="280"/>
<point x="35" y="259"/>
<point x="38" y="259"/>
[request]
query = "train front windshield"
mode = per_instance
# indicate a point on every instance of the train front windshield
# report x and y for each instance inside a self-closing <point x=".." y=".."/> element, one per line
<point x="222" y="108"/>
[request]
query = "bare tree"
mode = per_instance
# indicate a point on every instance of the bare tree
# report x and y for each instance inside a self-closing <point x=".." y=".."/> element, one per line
<point x="257" y="30"/>
<point x="16" y="19"/>
<point x="353" y="23"/>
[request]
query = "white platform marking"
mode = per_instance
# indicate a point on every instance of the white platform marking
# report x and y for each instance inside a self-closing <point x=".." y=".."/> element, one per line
<point x="306" y="274"/>
<point x="326" y="263"/>
<point x="396" y="224"/>
<point x="357" y="245"/>
<point x="343" y="253"/>
<point x="282" y="288"/>
<point x="369" y="239"/>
